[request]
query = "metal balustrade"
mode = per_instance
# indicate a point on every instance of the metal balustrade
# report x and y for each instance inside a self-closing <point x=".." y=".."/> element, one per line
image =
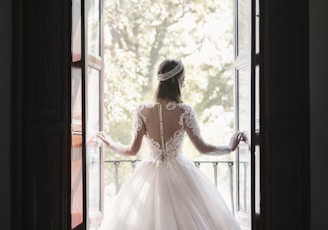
<point x="215" y="165"/>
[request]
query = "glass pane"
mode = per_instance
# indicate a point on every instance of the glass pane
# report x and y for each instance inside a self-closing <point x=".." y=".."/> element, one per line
<point x="94" y="176"/>
<point x="76" y="150"/>
<point x="243" y="27"/>
<point x="244" y="180"/>
<point x="244" y="97"/>
<point x="243" y="81"/>
<point x="93" y="106"/>
<point x="76" y="30"/>
<point x="93" y="151"/>
<point x="94" y="27"/>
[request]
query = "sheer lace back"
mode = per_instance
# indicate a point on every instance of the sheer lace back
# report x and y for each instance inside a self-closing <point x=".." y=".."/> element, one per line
<point x="164" y="128"/>
<point x="165" y="125"/>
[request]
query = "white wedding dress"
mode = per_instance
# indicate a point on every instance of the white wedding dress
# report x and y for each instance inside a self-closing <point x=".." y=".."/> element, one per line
<point x="167" y="191"/>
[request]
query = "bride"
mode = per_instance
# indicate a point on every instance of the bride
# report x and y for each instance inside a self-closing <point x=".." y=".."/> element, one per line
<point x="166" y="191"/>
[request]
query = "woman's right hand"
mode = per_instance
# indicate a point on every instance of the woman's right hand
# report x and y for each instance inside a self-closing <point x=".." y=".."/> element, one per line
<point x="104" y="138"/>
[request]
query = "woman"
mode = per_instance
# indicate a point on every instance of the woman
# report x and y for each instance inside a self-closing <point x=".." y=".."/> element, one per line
<point x="166" y="191"/>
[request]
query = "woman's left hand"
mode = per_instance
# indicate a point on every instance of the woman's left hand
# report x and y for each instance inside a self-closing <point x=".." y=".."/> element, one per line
<point x="235" y="139"/>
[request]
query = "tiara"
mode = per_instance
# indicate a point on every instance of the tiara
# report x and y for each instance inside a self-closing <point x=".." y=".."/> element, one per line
<point x="171" y="73"/>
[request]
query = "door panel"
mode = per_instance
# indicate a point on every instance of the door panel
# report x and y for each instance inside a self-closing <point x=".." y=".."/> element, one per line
<point x="93" y="90"/>
<point x="94" y="153"/>
<point x="243" y="123"/>
<point x="77" y="161"/>
<point x="243" y="157"/>
<point x="87" y="76"/>
<point x="244" y="105"/>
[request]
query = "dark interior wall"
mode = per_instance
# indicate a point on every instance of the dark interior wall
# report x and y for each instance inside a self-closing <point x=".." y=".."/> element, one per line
<point x="318" y="98"/>
<point x="42" y="107"/>
<point x="5" y="102"/>
<point x="285" y="138"/>
<point x="319" y="112"/>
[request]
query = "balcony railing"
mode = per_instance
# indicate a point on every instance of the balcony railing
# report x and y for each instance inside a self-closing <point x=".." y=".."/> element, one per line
<point x="214" y="175"/>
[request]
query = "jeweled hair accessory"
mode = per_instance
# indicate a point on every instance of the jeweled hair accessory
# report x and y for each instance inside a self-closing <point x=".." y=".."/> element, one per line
<point x="171" y="73"/>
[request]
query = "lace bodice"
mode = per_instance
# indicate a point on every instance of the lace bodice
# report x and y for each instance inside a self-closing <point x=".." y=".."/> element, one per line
<point x="167" y="145"/>
<point x="164" y="127"/>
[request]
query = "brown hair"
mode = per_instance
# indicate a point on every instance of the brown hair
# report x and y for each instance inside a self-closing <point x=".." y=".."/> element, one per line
<point x="170" y="88"/>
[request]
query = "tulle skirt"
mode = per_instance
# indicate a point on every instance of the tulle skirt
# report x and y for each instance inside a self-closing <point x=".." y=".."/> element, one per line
<point x="169" y="195"/>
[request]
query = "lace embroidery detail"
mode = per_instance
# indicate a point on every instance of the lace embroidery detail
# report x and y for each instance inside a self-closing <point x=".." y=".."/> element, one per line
<point x="173" y="146"/>
<point x="117" y="147"/>
<point x="138" y="121"/>
<point x="169" y="163"/>
<point x="189" y="117"/>
<point x="139" y="118"/>
<point x="171" y="105"/>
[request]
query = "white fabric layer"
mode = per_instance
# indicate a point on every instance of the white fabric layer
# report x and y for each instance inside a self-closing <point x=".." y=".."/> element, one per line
<point x="169" y="195"/>
<point x="167" y="191"/>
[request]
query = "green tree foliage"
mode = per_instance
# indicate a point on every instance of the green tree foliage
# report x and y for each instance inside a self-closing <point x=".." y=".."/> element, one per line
<point x="140" y="34"/>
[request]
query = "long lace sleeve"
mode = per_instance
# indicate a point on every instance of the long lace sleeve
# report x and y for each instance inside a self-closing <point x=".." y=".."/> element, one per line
<point x="193" y="131"/>
<point x="137" y="135"/>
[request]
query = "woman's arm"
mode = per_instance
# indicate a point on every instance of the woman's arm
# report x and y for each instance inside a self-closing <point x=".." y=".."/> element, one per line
<point x="133" y="148"/>
<point x="193" y="131"/>
<point x="127" y="150"/>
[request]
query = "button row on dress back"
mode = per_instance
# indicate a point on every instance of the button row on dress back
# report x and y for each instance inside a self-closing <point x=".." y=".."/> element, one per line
<point x="161" y="128"/>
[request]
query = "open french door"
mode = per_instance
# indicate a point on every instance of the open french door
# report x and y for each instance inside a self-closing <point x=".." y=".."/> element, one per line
<point x="87" y="90"/>
<point x="246" y="108"/>
<point x="92" y="73"/>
